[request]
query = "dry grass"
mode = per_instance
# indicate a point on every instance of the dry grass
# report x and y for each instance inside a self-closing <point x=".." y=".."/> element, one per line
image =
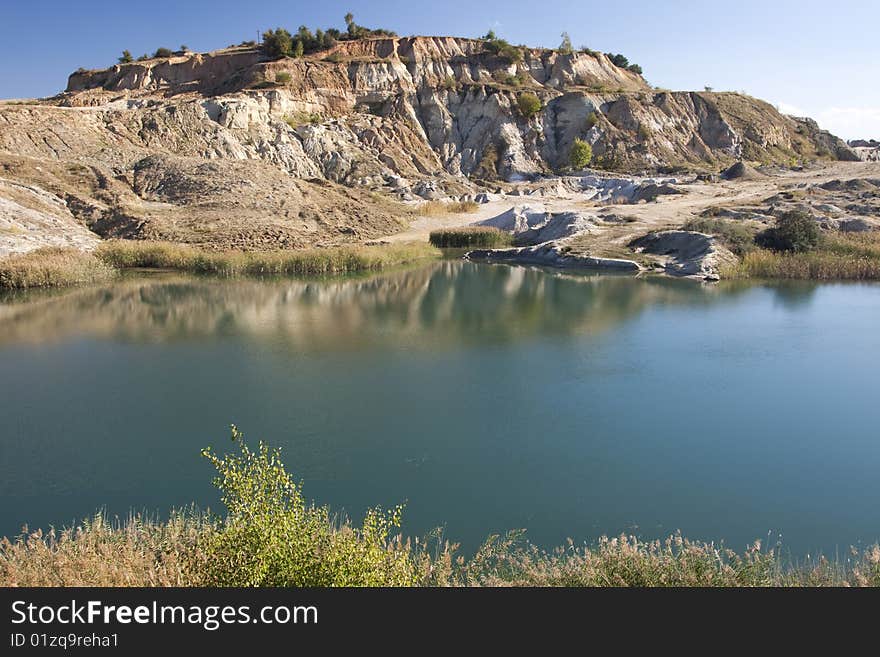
<point x="439" y="208"/>
<point x="470" y="236"/>
<point x="138" y="552"/>
<point x="839" y="257"/>
<point x="124" y="254"/>
<point x="175" y="553"/>
<point x="52" y="267"/>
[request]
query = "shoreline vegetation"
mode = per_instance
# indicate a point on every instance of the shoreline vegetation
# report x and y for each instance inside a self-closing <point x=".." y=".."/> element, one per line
<point x="833" y="257"/>
<point x="273" y="536"/>
<point x="470" y="236"/>
<point x="63" y="267"/>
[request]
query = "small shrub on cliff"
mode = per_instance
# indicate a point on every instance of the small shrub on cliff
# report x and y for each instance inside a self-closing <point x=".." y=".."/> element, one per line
<point x="502" y="48"/>
<point x="794" y="231"/>
<point x="163" y="52"/>
<point x="282" y="77"/>
<point x="529" y="104"/>
<point x="126" y="57"/>
<point x="565" y="48"/>
<point x="581" y="155"/>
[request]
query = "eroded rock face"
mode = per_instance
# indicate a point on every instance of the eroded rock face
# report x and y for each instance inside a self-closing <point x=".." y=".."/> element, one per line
<point x="452" y="106"/>
<point x="409" y="119"/>
<point x="31" y="218"/>
<point x="686" y="253"/>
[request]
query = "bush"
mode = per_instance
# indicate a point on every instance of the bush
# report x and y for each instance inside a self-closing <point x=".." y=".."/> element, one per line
<point x="592" y="119"/>
<point x="126" y="57"/>
<point x="282" y="77"/>
<point x="529" y="104"/>
<point x="501" y="48"/>
<point x="272" y="536"/>
<point x="794" y="231"/>
<point x="277" y="43"/>
<point x="581" y="154"/>
<point x="162" y="52"/>
<point x="470" y="236"/>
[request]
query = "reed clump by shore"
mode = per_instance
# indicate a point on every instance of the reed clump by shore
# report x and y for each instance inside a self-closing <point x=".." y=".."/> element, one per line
<point x="272" y="535"/>
<point x="126" y="254"/>
<point x="53" y="267"/>
<point x="470" y="237"/>
<point x="57" y="267"/>
<point x="838" y="256"/>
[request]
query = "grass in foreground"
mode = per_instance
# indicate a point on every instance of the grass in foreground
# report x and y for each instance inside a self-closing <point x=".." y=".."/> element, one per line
<point x="52" y="267"/>
<point x="272" y="536"/>
<point x="469" y="237"/>
<point x="838" y="256"/>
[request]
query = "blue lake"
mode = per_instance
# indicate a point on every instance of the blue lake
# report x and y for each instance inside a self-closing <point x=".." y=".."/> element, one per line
<point x="486" y="397"/>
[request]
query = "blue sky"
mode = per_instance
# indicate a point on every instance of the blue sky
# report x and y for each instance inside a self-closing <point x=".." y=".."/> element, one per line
<point x="808" y="57"/>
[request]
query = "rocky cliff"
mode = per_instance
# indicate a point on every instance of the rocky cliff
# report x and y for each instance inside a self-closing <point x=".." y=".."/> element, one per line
<point x="232" y="148"/>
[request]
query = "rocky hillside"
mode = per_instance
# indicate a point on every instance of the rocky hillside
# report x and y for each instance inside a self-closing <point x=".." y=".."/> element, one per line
<point x="231" y="148"/>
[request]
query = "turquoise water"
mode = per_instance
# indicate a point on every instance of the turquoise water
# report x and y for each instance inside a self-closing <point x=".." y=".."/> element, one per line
<point x="486" y="397"/>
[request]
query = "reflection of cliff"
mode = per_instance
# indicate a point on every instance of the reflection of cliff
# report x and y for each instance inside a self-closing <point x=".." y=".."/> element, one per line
<point x="442" y="302"/>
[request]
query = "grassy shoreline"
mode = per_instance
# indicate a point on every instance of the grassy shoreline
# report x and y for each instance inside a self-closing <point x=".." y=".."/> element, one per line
<point x="58" y="267"/>
<point x="273" y="536"/>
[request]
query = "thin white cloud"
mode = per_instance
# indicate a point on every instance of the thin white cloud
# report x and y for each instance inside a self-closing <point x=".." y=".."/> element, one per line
<point x="845" y="122"/>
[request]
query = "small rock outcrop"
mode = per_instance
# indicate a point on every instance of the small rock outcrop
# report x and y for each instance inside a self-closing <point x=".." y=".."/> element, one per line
<point x="686" y="253"/>
<point x="532" y="225"/>
<point x="552" y="254"/>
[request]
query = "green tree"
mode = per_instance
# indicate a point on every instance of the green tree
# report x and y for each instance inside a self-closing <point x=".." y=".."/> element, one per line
<point x="126" y="57"/>
<point x="277" y="43"/>
<point x="581" y="154"/>
<point x="565" y="47"/>
<point x="298" y="49"/>
<point x="529" y="104"/>
<point x="163" y="52"/>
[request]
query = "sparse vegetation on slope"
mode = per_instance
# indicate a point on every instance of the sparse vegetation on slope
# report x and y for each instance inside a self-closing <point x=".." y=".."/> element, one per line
<point x="280" y="43"/>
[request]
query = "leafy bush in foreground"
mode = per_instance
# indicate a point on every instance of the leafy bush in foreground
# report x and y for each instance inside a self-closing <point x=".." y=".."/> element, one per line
<point x="272" y="537"/>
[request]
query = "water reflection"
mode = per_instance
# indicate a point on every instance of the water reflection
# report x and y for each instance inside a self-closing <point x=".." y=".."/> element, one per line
<point x="445" y="302"/>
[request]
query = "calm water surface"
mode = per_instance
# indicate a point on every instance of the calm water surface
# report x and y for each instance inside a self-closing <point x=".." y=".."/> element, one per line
<point x="486" y="397"/>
